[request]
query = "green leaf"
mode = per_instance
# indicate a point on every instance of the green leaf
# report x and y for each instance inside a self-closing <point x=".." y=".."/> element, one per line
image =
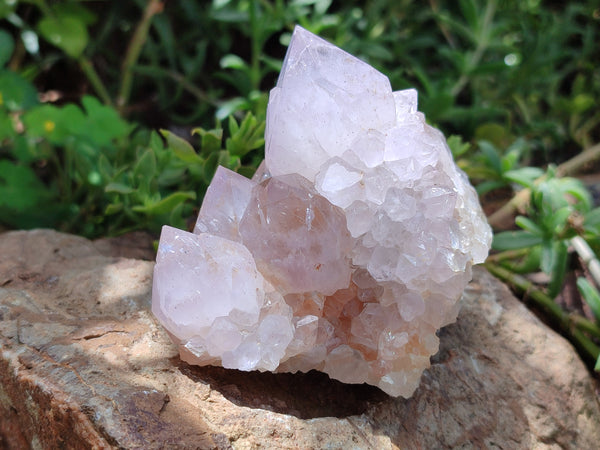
<point x="7" y="7"/>
<point x="229" y="15"/>
<point x="509" y="160"/>
<point x="556" y="193"/>
<point x="156" y="142"/>
<point x="210" y="166"/>
<point x="118" y="188"/>
<point x="68" y="33"/>
<point x="582" y="103"/>
<point x="498" y="135"/>
<point x="576" y="189"/>
<point x="85" y="151"/>
<point x="113" y="208"/>
<point x="7" y="45"/>
<point x="181" y="148"/>
<point x="175" y="218"/>
<point x="27" y="149"/>
<point x="514" y="153"/>
<point x="165" y="205"/>
<point x="45" y="121"/>
<point x="491" y="155"/>
<point x="20" y="189"/>
<point x="16" y="93"/>
<point x="232" y="162"/>
<point x="483" y="173"/>
<point x="25" y="202"/>
<point x="233" y="126"/>
<point x="75" y="10"/>
<point x="230" y="106"/>
<point x="558" y="268"/>
<point x="97" y="127"/>
<point x="247" y="136"/>
<point x="487" y="186"/>
<point x="593" y="217"/>
<point x="559" y="219"/>
<point x="590" y="295"/>
<point x="171" y="176"/>
<point x="457" y="146"/>
<point x="527" y="264"/>
<point x="272" y="64"/>
<point x="512" y="240"/>
<point x="247" y="171"/>
<point x="469" y="11"/>
<point x="211" y="139"/>
<point x="597" y="366"/>
<point x="524" y="176"/>
<point x="7" y="129"/>
<point x="105" y="167"/>
<point x="145" y="167"/>
<point x="529" y="225"/>
<point x="102" y="123"/>
<point x="233" y="62"/>
<point x="547" y="257"/>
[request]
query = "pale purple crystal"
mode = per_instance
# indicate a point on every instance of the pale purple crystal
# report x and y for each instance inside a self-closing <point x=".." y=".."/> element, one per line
<point x="298" y="239"/>
<point x="348" y="249"/>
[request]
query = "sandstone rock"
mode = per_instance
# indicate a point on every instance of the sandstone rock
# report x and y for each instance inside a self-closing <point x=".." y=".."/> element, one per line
<point x="85" y="365"/>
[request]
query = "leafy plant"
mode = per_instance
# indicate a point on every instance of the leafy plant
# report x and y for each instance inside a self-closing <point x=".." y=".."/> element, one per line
<point x="157" y="187"/>
<point x="83" y="168"/>
<point x="492" y="169"/>
<point x="557" y="205"/>
<point x="591" y="296"/>
<point x="560" y="215"/>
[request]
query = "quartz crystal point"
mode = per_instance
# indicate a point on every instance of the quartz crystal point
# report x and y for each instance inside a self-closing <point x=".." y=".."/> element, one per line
<point x="348" y="249"/>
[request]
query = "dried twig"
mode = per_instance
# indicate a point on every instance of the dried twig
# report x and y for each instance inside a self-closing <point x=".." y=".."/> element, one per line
<point x="588" y="257"/>
<point x="133" y="50"/>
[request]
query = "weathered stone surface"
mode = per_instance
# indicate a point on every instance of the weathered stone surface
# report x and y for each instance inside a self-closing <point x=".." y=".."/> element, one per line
<point x="85" y="365"/>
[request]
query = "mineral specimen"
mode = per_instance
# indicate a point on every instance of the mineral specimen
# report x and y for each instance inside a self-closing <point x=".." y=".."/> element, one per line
<point x="348" y="249"/>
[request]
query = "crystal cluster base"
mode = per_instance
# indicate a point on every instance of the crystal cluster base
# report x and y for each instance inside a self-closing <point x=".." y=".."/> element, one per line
<point x="348" y="249"/>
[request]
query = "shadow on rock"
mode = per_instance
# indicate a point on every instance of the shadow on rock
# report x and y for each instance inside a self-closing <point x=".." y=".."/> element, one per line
<point x="304" y="395"/>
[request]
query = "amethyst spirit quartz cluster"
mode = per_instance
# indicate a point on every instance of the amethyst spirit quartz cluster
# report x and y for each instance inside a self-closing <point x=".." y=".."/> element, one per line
<point x="348" y="249"/>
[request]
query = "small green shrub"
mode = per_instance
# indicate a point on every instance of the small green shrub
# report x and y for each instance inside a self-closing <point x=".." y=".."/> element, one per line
<point x="84" y="169"/>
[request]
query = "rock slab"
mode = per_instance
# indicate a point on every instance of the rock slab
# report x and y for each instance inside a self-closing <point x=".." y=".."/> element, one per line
<point x="85" y="365"/>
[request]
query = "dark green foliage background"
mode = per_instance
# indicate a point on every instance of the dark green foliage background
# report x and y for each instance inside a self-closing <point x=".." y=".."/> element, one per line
<point x="514" y="79"/>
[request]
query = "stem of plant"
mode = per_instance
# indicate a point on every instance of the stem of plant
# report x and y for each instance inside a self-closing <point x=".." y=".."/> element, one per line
<point x="522" y="197"/>
<point x="508" y="255"/>
<point x="94" y="79"/>
<point x="443" y="28"/>
<point x="573" y="325"/>
<point x="68" y="172"/>
<point x="134" y="49"/>
<point x="585" y="325"/>
<point x="588" y="257"/>
<point x="482" y="43"/>
<point x="18" y="56"/>
<point x="256" y="45"/>
<point x="188" y="86"/>
<point x="582" y="134"/>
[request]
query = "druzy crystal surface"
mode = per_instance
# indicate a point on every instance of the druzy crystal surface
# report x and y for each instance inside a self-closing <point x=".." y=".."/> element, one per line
<point x="348" y="249"/>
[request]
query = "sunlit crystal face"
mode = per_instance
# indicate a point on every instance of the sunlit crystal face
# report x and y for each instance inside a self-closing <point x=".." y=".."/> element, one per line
<point x="348" y="249"/>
